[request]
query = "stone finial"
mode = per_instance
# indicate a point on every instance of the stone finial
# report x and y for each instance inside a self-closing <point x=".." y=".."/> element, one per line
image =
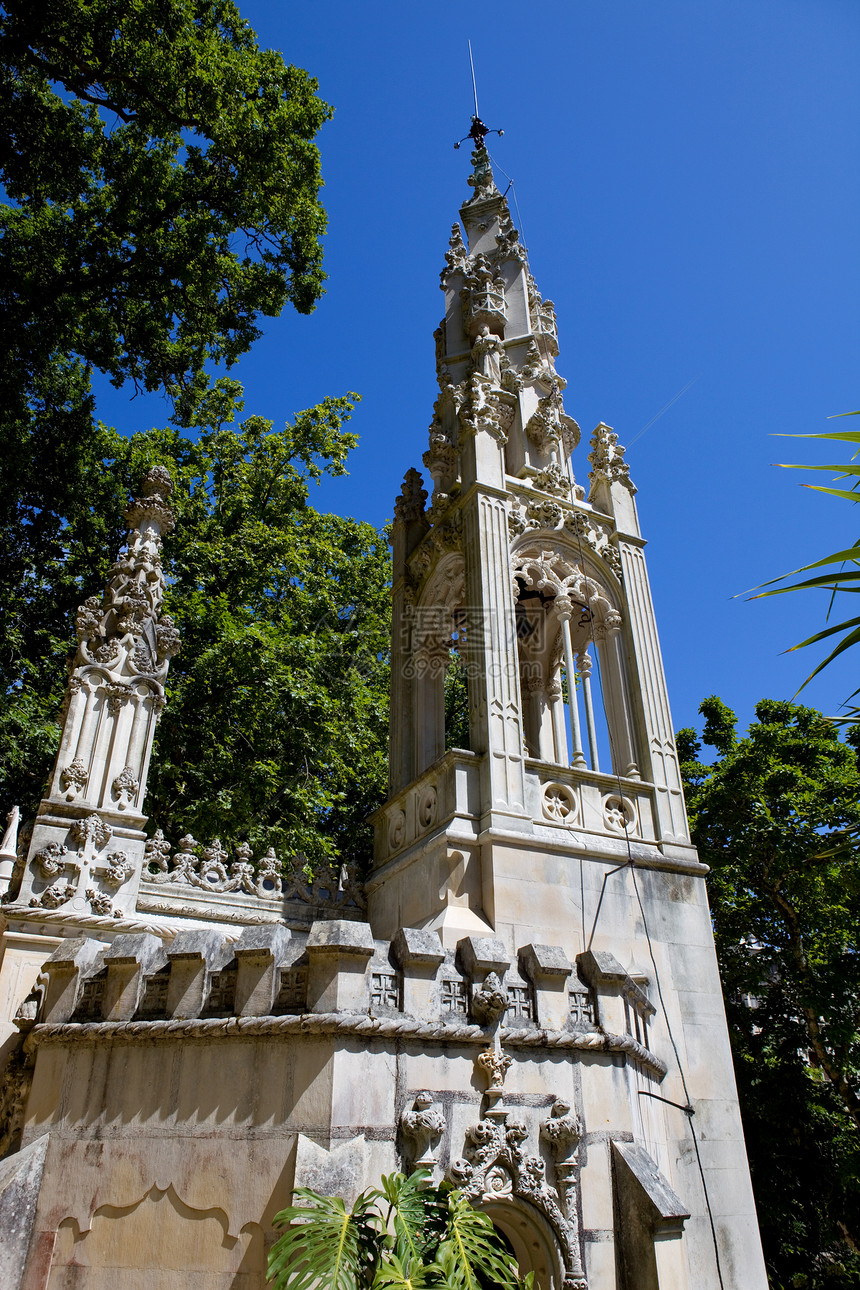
<point x="9" y="850"/>
<point x="495" y="1065"/>
<point x="490" y="1002"/>
<point x="481" y="180"/>
<point x="409" y="507"/>
<point x="607" y="459"/>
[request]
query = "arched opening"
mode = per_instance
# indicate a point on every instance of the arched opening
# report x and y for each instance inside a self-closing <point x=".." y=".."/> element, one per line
<point x="573" y="675"/>
<point x="529" y="1237"/>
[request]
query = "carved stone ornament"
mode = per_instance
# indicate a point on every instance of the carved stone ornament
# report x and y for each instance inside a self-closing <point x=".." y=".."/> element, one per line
<point x="120" y="867"/>
<point x="495" y="1065"/>
<point x="211" y="870"/>
<point x="619" y="814"/>
<point x="496" y="1166"/>
<point x="595" y="536"/>
<point x="607" y="459"/>
<point x="53" y="897"/>
<point x="93" y="829"/>
<point x="409" y="507"/>
<point x="562" y="1130"/>
<point x="100" y="903"/>
<point x="51" y="859"/>
<point x="422" y="1127"/>
<point x="74" y="779"/>
<point x="124" y="788"/>
<point x="489" y="1003"/>
<point x="456" y="255"/>
<point x="558" y="803"/>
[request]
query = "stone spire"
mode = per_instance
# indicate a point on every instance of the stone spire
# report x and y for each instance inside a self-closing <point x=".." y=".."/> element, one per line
<point x="87" y="846"/>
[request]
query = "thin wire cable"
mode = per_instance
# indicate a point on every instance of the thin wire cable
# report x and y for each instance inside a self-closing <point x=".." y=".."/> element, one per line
<point x="689" y="1110"/>
<point x="512" y="186"/>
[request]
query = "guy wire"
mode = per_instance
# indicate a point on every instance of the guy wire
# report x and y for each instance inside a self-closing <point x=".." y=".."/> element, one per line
<point x="632" y="867"/>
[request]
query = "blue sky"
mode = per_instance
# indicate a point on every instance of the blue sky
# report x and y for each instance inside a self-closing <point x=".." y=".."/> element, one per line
<point x="688" y="187"/>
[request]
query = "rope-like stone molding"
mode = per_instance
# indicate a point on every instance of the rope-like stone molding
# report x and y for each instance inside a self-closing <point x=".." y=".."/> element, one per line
<point x="348" y="1023"/>
<point x="91" y="922"/>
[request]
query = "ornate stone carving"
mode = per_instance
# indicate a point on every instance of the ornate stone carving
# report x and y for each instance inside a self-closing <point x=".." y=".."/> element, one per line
<point x="559" y="803"/>
<point x="53" y="897"/>
<point x="100" y="902"/>
<point x="549" y="424"/>
<point x="595" y="536"/>
<point x="552" y="479"/>
<point x="91" y="830"/>
<point x="563" y="1131"/>
<point x="481" y="180"/>
<point x="51" y="859"/>
<point x="212" y="871"/>
<point x="456" y="255"/>
<point x="124" y="788"/>
<point x="545" y="515"/>
<point x="120" y="867"/>
<point x="422" y="1127"/>
<point x="489" y="1003"/>
<point x="494" y="1064"/>
<point x="409" y="507"/>
<point x="73" y="779"/>
<point x="619" y="814"/>
<point x="497" y="1166"/>
<point x="156" y="855"/>
<point x="607" y="459"/>
<point x="483" y="303"/>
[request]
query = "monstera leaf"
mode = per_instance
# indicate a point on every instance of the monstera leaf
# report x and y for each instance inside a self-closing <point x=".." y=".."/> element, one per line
<point x="326" y="1247"/>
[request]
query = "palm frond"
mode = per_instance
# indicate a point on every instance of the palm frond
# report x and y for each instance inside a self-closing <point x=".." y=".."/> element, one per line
<point x="325" y="1246"/>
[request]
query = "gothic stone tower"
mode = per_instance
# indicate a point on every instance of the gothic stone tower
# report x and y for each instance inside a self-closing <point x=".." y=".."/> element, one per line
<point x="524" y="997"/>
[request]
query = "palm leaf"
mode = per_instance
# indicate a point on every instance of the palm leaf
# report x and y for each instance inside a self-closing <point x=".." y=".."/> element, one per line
<point x="833" y="581"/>
<point x="325" y="1247"/>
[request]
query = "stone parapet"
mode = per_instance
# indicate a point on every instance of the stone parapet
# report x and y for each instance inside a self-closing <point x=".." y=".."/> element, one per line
<point x="338" y="976"/>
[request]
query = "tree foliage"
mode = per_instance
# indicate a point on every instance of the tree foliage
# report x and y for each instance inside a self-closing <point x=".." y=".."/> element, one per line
<point x="775" y="817"/>
<point x="163" y="185"/>
<point x="406" y="1235"/>
<point x="277" y="703"/>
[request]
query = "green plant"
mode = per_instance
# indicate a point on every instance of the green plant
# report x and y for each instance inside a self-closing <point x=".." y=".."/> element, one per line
<point x="845" y="578"/>
<point x="407" y="1234"/>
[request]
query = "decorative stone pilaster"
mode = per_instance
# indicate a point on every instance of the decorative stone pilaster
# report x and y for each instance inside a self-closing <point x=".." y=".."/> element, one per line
<point x="87" y="847"/>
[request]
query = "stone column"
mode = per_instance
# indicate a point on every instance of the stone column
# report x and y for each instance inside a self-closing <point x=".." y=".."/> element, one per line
<point x="663" y="770"/>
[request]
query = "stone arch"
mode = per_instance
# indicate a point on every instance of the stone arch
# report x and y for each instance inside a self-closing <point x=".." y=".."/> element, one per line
<point x="554" y="583"/>
<point x="530" y="1236"/>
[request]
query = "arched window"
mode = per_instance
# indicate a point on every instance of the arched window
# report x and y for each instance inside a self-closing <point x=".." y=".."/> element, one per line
<point x="567" y="622"/>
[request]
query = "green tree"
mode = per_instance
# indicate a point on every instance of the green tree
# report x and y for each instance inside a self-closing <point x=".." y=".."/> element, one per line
<point x="406" y="1235"/>
<point x="775" y="817"/>
<point x="277" y="703"/>
<point x="162" y="192"/>
<point x="163" y="186"/>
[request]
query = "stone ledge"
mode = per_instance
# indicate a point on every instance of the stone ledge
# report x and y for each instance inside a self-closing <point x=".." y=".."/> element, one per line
<point x="335" y="1023"/>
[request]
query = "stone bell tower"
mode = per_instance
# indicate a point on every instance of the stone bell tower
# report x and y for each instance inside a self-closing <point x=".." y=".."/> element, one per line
<point x="559" y="835"/>
<point x="510" y="572"/>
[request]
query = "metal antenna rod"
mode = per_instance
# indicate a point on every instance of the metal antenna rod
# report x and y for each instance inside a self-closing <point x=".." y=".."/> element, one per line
<point x="474" y="84"/>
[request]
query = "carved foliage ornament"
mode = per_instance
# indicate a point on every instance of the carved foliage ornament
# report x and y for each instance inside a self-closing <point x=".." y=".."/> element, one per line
<point x="422" y="1127"/>
<point x="497" y="1166"/>
<point x="211" y="869"/>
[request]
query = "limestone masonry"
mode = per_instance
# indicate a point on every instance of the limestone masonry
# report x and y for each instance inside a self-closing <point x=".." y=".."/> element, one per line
<point x="523" y="996"/>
